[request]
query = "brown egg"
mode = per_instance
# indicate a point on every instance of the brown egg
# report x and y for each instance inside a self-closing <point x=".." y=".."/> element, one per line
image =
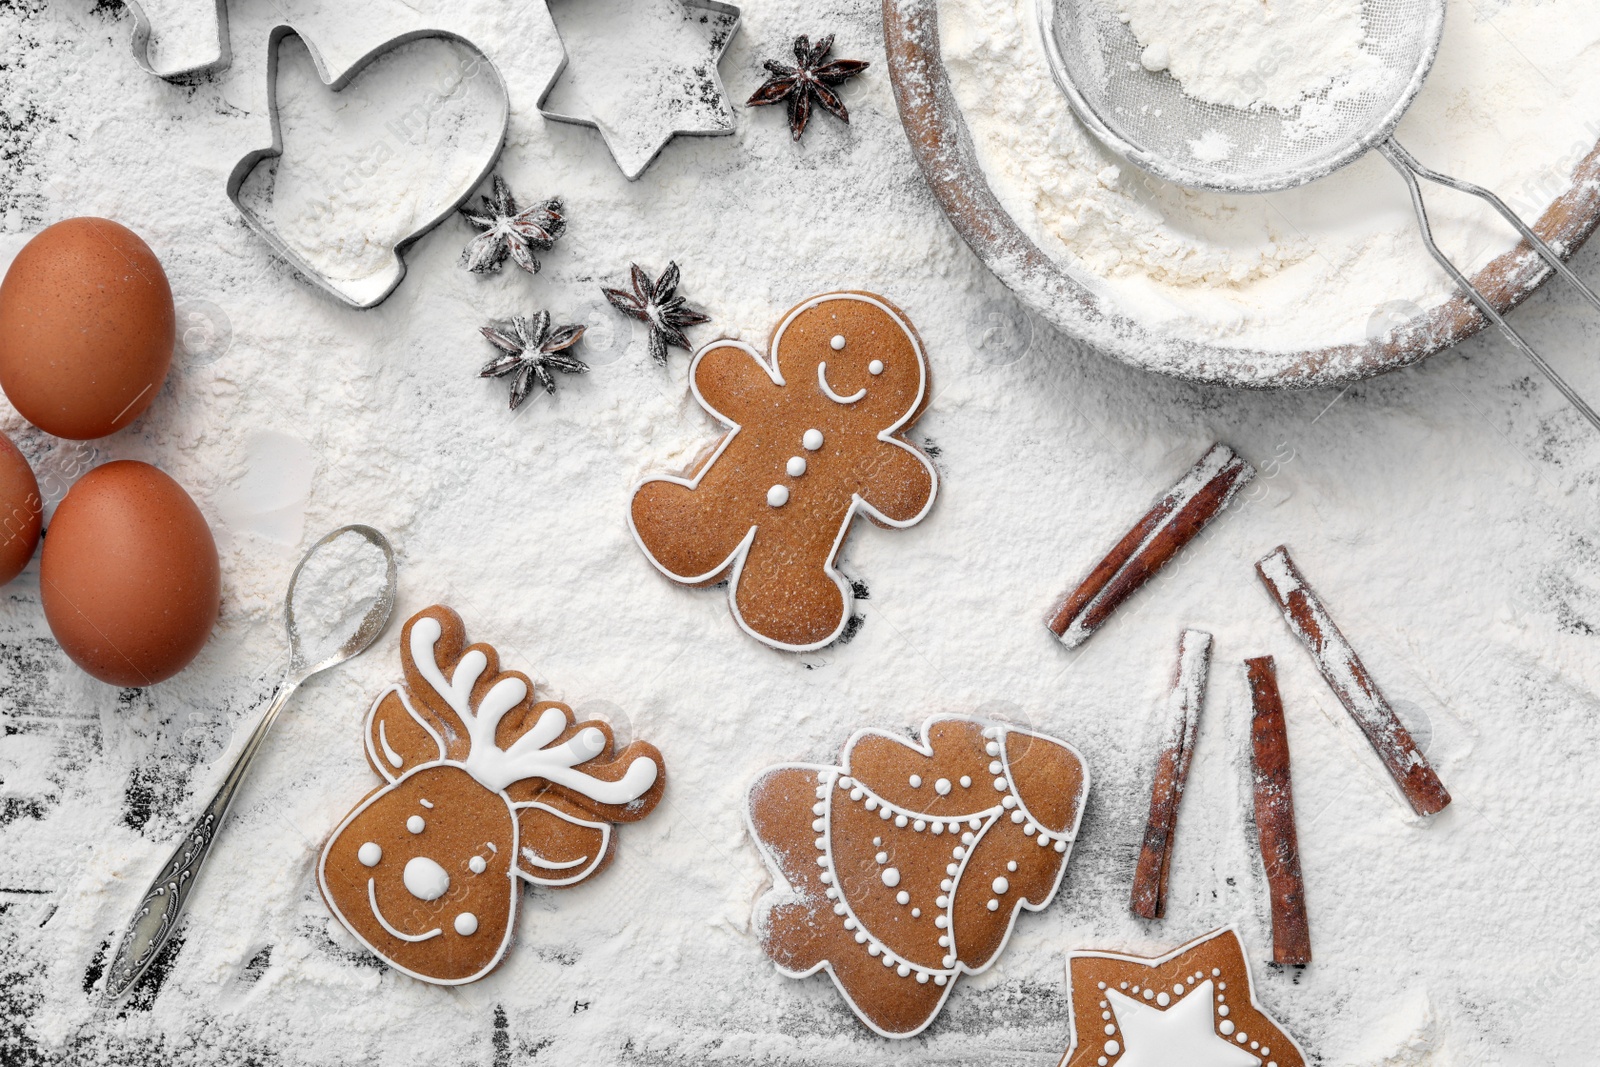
<point x="20" y="511"/>
<point x="129" y="575"/>
<point x="86" y="328"/>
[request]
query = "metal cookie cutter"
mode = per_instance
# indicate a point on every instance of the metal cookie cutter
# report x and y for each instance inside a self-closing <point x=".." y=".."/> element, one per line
<point x="203" y="39"/>
<point x="681" y="97"/>
<point x="370" y="289"/>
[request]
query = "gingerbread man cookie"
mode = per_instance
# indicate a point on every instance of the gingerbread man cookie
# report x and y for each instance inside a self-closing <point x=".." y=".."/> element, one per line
<point x="906" y="866"/>
<point x="1194" y="1007"/>
<point x="485" y="788"/>
<point x="815" y="436"/>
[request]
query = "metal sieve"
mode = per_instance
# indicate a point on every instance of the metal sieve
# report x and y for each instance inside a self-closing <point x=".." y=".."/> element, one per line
<point x="1145" y="117"/>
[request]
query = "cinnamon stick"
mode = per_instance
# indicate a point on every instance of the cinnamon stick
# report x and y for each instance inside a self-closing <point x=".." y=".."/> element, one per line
<point x="1172" y="772"/>
<point x="1172" y="522"/>
<point x="1274" y="805"/>
<point x="1343" y="671"/>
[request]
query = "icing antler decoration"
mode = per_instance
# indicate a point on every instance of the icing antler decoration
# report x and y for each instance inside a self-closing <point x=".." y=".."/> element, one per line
<point x="528" y="757"/>
<point x="484" y="786"/>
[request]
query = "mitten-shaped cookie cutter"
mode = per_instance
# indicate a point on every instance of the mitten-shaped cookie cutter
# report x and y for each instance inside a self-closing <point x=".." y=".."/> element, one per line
<point x="365" y="295"/>
<point x="484" y="789"/>
<point x="633" y="167"/>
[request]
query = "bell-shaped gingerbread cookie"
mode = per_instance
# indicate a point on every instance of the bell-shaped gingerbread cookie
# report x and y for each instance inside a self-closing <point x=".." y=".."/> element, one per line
<point x="906" y="866"/>
<point x="816" y="436"/>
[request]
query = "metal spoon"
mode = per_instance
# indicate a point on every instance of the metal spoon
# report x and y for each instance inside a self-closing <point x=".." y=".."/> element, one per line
<point x="328" y="584"/>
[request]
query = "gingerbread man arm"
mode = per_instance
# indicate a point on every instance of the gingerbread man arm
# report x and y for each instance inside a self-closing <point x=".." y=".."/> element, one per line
<point x="899" y="485"/>
<point x="734" y="383"/>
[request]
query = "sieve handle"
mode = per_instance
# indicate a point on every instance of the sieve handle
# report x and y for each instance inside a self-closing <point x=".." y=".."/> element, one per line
<point x="1410" y="170"/>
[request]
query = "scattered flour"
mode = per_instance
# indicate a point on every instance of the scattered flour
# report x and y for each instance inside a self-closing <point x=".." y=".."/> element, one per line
<point x="1250" y="53"/>
<point x="1446" y="515"/>
<point x="1513" y="103"/>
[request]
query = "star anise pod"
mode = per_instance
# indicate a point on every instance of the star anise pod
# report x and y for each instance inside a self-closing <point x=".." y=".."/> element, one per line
<point x="530" y="349"/>
<point x="811" y="80"/>
<point x="658" y="304"/>
<point x="509" y="232"/>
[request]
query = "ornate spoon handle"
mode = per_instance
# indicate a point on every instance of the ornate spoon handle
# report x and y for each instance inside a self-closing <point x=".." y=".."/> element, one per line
<point x="164" y="901"/>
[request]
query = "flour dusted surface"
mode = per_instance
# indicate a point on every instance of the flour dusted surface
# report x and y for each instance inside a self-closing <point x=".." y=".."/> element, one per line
<point x="1511" y="103"/>
<point x="1250" y="53"/>
<point x="1446" y="515"/>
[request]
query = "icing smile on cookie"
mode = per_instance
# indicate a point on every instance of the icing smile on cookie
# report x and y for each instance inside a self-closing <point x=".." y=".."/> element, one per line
<point x="372" y="901"/>
<point x="827" y="390"/>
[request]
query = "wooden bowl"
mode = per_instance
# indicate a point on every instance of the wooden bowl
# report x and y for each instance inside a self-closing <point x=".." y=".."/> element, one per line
<point x="944" y="150"/>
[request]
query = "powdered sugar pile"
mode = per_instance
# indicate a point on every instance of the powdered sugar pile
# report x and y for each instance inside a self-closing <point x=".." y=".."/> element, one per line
<point x="1446" y="516"/>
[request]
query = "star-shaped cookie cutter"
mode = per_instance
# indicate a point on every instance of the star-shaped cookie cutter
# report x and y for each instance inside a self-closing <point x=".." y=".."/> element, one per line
<point x="215" y="15"/>
<point x="355" y="296"/>
<point x="635" y="164"/>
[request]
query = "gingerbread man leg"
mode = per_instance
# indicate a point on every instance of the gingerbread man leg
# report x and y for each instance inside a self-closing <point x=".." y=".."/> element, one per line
<point x="790" y="599"/>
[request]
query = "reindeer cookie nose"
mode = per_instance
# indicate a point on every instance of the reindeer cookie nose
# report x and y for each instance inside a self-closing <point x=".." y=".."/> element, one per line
<point x="425" y="879"/>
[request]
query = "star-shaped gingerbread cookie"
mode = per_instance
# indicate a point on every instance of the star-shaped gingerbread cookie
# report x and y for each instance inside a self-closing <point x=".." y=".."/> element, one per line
<point x="1193" y="1007"/>
<point x="642" y="73"/>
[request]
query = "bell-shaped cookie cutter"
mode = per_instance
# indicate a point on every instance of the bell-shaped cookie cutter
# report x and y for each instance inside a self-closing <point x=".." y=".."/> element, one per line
<point x="217" y="17"/>
<point x="715" y="63"/>
<point x="243" y="169"/>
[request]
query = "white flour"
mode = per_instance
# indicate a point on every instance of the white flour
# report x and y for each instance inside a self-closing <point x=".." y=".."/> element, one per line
<point x="1512" y="103"/>
<point x="1445" y="515"/>
<point x="1249" y="53"/>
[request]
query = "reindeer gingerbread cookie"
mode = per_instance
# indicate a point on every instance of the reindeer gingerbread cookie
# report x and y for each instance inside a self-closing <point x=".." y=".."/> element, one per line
<point x="484" y="789"/>
<point x="816" y="436"/>
<point x="907" y="865"/>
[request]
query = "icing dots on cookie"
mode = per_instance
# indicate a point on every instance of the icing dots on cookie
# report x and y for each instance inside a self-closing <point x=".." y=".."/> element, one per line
<point x="936" y="858"/>
<point x="816" y="436"/>
<point x="427" y="871"/>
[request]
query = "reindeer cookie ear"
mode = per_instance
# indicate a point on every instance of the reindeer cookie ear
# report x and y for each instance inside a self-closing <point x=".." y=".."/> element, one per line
<point x="558" y="850"/>
<point x="397" y="737"/>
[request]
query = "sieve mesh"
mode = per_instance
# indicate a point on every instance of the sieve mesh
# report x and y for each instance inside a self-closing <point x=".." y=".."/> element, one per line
<point x="1147" y="117"/>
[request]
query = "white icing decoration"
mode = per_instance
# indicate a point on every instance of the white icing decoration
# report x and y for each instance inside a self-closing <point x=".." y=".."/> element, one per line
<point x="370" y="854"/>
<point x="796" y="466"/>
<point x="415" y="824"/>
<point x="1182" y="1033"/>
<point x="778" y="496"/>
<point x="827" y="390"/>
<point x="993" y="905"/>
<point x="1011" y="865"/>
<point x="942" y="786"/>
<point x="837" y="342"/>
<point x="966" y="781"/>
<point x="1001" y="885"/>
<point x="812" y="440"/>
<point x="916" y="781"/>
<point x="891" y="877"/>
<point x="477" y="865"/>
<point x="528" y="757"/>
<point x="388" y="753"/>
<point x="372" y="901"/>
<point x="466" y="924"/>
<point x="875" y="367"/>
<point x="980" y="822"/>
<point x="425" y="879"/>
